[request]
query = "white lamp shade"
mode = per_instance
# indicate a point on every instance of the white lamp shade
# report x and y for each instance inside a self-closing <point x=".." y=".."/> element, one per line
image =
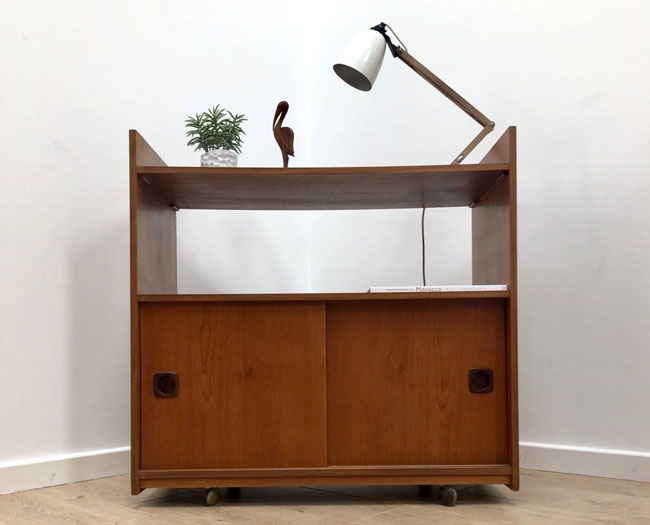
<point x="360" y="62"/>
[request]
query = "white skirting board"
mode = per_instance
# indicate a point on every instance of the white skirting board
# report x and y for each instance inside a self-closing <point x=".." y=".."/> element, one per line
<point x="588" y="461"/>
<point x="47" y="471"/>
<point x="69" y="468"/>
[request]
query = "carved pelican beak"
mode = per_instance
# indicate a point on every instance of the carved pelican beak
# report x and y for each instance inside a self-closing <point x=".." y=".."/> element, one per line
<point x="282" y="107"/>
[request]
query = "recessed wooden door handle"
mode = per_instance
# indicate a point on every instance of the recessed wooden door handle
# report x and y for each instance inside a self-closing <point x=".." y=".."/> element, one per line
<point x="480" y="380"/>
<point x="165" y="384"/>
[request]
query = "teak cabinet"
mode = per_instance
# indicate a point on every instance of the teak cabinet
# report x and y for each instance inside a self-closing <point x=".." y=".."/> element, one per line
<point x="318" y="389"/>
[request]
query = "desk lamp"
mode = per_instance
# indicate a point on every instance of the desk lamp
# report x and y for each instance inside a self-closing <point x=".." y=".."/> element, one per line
<point x="360" y="62"/>
<point x="359" y="65"/>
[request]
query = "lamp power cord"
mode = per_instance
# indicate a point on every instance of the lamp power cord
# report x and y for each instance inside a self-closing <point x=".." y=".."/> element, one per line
<point x="424" y="269"/>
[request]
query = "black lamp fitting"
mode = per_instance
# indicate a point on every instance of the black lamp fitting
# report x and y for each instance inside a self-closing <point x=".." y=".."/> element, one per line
<point x="381" y="28"/>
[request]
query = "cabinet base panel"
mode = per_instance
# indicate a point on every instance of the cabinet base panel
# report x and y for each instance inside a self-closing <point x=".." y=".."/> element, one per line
<point x="480" y="475"/>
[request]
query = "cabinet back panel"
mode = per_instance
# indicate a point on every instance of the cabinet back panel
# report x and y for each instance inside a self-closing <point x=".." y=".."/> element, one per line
<point x="397" y="382"/>
<point x="251" y="385"/>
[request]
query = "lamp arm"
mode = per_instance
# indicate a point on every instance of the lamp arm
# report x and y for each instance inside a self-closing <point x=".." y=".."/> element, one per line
<point x="452" y="95"/>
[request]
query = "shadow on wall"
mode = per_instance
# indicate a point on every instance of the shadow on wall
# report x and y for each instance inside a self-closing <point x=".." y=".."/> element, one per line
<point x="98" y="338"/>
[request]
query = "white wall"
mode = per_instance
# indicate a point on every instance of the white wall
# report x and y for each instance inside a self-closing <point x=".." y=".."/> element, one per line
<point x="75" y="75"/>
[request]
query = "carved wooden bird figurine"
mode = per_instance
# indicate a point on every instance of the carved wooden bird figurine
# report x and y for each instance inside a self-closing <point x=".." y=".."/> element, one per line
<point x="283" y="135"/>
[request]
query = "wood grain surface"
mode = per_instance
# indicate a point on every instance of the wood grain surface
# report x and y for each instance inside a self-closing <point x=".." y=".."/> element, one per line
<point x="397" y="383"/>
<point x="300" y="481"/>
<point x="334" y="471"/>
<point x="152" y="226"/>
<point x="491" y="236"/>
<point x="251" y="385"/>
<point x="493" y="265"/>
<point x="156" y="242"/>
<point x="387" y="296"/>
<point x="380" y="187"/>
<point x="386" y="402"/>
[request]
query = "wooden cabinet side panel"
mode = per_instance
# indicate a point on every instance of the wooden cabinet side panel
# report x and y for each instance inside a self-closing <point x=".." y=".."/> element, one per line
<point x="494" y="261"/>
<point x="491" y="228"/>
<point x="251" y="385"/>
<point x="156" y="247"/>
<point x="491" y="236"/>
<point x="152" y="228"/>
<point x="398" y="387"/>
<point x="512" y="360"/>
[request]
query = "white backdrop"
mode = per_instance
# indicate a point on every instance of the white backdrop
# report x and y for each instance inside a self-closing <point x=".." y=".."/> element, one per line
<point x="76" y="75"/>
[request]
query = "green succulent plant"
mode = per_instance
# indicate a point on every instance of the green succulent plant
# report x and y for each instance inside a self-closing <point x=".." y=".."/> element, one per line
<point x="215" y="128"/>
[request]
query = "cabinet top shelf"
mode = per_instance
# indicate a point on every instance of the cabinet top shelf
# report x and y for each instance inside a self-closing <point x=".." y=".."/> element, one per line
<point x="335" y="188"/>
<point x="356" y="296"/>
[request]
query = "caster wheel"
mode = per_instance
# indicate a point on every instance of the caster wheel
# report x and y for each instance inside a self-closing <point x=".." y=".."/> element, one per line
<point x="234" y="492"/>
<point x="425" y="491"/>
<point x="447" y="496"/>
<point x="212" y="497"/>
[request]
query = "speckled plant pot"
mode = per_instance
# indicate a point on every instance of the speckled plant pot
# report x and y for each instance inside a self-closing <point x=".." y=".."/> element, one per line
<point x="219" y="158"/>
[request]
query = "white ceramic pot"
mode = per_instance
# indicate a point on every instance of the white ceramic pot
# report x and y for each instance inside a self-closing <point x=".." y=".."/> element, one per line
<point x="219" y="158"/>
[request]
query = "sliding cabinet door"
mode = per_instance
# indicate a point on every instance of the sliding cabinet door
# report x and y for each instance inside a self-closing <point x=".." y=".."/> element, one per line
<point x="233" y="385"/>
<point x="398" y="382"/>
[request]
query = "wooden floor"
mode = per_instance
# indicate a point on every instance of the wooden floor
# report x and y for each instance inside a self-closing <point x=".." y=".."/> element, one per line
<point x="545" y="498"/>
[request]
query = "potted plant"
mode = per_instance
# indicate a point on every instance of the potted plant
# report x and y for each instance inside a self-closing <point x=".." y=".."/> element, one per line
<point x="217" y="132"/>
